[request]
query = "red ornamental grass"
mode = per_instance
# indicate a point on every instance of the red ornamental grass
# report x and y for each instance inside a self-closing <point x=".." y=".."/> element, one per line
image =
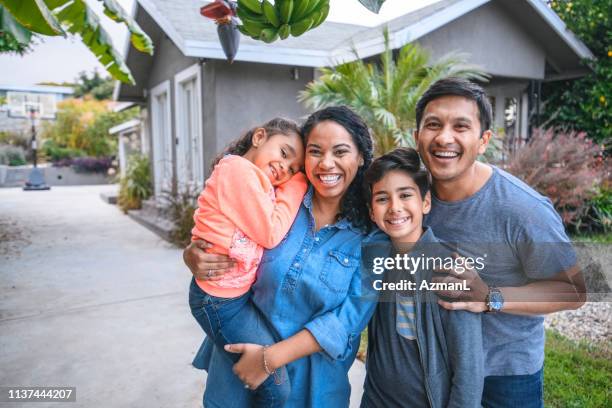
<point x="564" y="166"/>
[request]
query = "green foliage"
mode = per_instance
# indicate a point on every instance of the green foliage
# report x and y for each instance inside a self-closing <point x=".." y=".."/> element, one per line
<point x="583" y="104"/>
<point x="15" y="139"/>
<point x="385" y="94"/>
<point x="136" y="185"/>
<point x="179" y="209"/>
<point x="12" y="155"/>
<point x="84" y="124"/>
<point x="97" y="86"/>
<point x="598" y="217"/>
<point x="56" y="17"/>
<point x="576" y="374"/>
<point x="55" y="153"/>
<point x="13" y="36"/>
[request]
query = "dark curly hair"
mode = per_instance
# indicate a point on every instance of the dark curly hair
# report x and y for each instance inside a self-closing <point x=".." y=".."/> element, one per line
<point x="404" y="159"/>
<point x="353" y="204"/>
<point x="276" y="126"/>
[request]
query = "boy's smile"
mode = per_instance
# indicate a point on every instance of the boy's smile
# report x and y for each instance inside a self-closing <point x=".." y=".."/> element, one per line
<point x="397" y="207"/>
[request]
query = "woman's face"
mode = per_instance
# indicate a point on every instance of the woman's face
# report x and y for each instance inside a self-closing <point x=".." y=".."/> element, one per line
<point x="332" y="159"/>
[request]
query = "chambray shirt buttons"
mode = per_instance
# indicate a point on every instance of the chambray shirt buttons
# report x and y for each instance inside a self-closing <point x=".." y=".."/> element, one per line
<point x="345" y="260"/>
<point x="317" y="239"/>
<point x="297" y="264"/>
<point x="304" y="250"/>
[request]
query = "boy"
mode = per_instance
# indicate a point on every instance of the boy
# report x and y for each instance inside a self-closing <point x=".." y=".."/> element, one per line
<point x="419" y="354"/>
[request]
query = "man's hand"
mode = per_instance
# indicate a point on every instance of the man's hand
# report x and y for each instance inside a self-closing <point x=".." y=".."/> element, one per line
<point x="472" y="300"/>
<point x="205" y="266"/>
<point x="250" y="368"/>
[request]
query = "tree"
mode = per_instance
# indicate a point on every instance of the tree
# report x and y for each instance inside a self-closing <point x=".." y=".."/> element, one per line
<point x="20" y="18"/>
<point x="385" y="94"/>
<point x="97" y="86"/>
<point x="583" y="104"/>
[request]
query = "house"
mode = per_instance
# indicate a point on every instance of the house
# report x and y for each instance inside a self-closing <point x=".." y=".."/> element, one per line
<point x="197" y="102"/>
<point x="19" y="100"/>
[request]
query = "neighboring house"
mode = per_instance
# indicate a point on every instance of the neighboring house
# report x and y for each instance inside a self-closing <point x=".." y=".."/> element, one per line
<point x="17" y="101"/>
<point x="197" y="102"/>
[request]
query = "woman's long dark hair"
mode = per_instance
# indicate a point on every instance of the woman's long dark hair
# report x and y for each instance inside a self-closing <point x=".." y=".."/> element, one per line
<point x="353" y="204"/>
<point x="276" y="126"/>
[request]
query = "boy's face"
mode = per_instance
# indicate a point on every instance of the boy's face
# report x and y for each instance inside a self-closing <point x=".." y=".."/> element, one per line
<point x="397" y="207"/>
<point x="449" y="139"/>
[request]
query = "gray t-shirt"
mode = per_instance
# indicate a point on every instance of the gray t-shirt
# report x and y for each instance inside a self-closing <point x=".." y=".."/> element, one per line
<point x="521" y="238"/>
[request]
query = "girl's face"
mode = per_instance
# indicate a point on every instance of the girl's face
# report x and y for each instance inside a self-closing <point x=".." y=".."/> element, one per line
<point x="332" y="159"/>
<point x="278" y="156"/>
<point x="397" y="207"/>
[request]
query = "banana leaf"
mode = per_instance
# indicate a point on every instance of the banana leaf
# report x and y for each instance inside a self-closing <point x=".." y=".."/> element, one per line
<point x="139" y="39"/>
<point x="34" y="15"/>
<point x="79" y="19"/>
<point x="9" y="25"/>
<point x="372" y="5"/>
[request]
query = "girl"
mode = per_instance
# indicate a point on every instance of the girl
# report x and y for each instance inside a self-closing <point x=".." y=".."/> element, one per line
<point x="248" y="203"/>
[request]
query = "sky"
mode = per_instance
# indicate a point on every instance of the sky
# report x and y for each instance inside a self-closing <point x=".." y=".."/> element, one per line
<point x="58" y="59"/>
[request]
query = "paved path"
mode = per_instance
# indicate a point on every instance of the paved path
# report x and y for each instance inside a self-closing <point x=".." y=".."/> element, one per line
<point x="91" y="299"/>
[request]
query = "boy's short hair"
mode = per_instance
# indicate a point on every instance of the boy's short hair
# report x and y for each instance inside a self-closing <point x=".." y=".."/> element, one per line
<point x="457" y="87"/>
<point x="402" y="159"/>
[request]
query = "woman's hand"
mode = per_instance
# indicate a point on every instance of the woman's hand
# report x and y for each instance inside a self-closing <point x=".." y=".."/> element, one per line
<point x="250" y="368"/>
<point x="205" y="266"/>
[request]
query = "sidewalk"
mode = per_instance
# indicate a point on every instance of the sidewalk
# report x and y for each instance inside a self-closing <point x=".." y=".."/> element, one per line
<point x="93" y="300"/>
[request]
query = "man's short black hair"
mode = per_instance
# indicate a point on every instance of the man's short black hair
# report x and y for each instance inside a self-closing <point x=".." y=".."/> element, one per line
<point x="403" y="159"/>
<point x="457" y="87"/>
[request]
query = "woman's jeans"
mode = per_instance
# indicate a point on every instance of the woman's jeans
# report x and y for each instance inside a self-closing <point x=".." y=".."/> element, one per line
<point x="237" y="320"/>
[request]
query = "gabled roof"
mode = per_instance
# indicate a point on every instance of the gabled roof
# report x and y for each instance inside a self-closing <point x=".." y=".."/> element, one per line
<point x="331" y="42"/>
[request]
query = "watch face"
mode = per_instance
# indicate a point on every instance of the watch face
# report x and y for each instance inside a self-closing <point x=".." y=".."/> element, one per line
<point x="496" y="301"/>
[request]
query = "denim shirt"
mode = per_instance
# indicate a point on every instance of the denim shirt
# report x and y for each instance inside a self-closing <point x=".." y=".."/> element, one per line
<point x="312" y="280"/>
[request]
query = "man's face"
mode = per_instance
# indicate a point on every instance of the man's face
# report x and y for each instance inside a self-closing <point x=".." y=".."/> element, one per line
<point x="449" y="139"/>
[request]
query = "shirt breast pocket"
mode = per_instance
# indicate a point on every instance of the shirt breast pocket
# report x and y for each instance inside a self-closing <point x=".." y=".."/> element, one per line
<point x="338" y="271"/>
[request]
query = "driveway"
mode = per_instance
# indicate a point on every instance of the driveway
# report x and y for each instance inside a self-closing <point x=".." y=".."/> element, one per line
<point x="90" y="299"/>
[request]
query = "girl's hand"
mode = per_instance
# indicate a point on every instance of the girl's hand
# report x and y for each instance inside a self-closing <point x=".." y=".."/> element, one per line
<point x="250" y="367"/>
<point x="205" y="266"/>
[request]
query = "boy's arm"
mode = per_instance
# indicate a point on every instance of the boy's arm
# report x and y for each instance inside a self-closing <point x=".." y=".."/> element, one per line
<point x="463" y="332"/>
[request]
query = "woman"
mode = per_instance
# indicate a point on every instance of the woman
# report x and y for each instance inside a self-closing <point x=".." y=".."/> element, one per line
<point x="309" y="287"/>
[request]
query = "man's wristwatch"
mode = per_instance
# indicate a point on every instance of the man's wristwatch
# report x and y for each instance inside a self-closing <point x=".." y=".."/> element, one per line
<point x="494" y="300"/>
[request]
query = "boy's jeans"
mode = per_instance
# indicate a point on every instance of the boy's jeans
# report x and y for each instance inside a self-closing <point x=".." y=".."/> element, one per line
<point x="236" y="320"/>
<point x="514" y="391"/>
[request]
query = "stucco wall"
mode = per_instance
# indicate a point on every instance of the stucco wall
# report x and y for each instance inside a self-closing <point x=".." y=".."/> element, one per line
<point x="247" y="95"/>
<point x="494" y="41"/>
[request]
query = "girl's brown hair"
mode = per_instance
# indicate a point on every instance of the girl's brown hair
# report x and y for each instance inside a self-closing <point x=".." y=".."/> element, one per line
<point x="272" y="127"/>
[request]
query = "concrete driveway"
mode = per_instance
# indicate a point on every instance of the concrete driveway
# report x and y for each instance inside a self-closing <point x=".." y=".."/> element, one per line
<point x="90" y="299"/>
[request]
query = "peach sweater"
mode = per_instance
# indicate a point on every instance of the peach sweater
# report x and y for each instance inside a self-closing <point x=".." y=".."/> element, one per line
<point x="240" y="213"/>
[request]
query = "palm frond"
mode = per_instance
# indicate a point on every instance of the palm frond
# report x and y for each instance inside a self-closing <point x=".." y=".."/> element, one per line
<point x="386" y="94"/>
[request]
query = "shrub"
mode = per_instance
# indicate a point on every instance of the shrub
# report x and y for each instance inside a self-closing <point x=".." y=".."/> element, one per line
<point x="15" y="139"/>
<point x="598" y="217"/>
<point x="136" y="185"/>
<point x="179" y="209"/>
<point x="60" y="156"/>
<point x="12" y="155"/>
<point x="565" y="167"/>
<point x="84" y="124"/>
<point x="92" y="164"/>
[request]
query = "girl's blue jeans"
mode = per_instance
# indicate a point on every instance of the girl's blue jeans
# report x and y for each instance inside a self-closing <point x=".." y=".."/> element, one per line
<point x="237" y="320"/>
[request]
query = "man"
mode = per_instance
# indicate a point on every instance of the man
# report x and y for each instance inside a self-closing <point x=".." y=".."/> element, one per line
<point x="530" y="265"/>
